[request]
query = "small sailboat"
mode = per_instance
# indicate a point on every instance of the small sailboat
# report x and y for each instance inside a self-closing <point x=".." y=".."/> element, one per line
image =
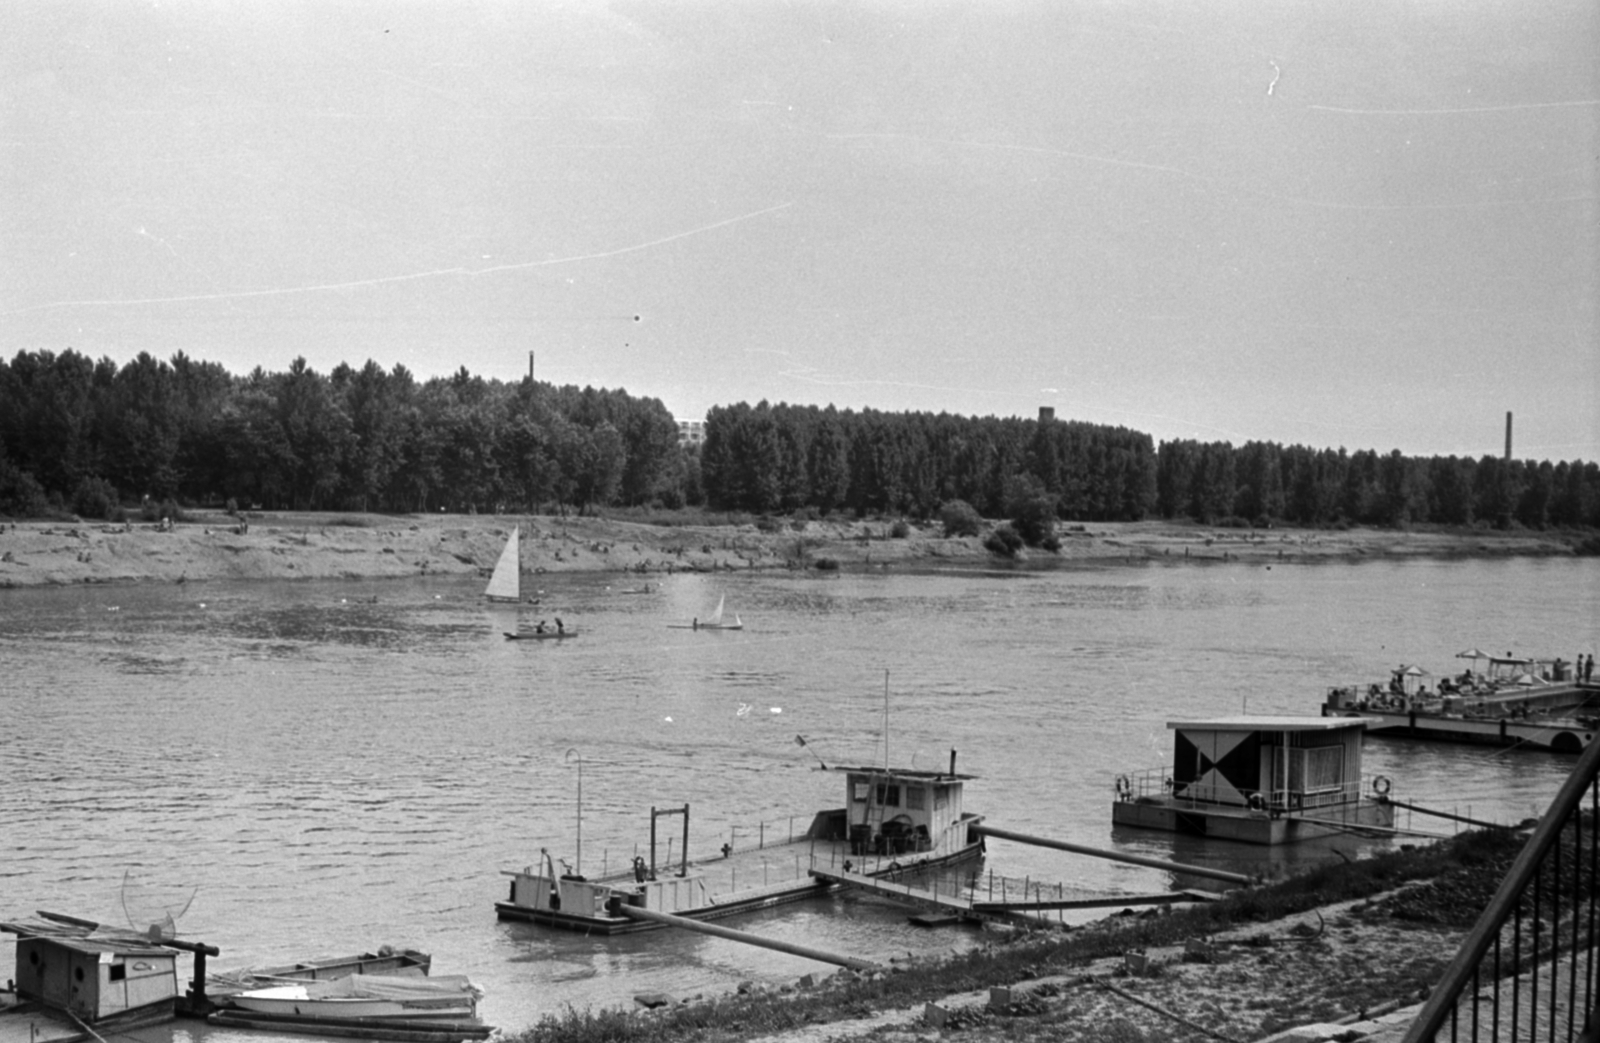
<point x="714" y="622"/>
<point x="505" y="584"/>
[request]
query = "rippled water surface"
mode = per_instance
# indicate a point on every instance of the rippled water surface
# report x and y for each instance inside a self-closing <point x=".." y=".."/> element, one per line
<point x="314" y="772"/>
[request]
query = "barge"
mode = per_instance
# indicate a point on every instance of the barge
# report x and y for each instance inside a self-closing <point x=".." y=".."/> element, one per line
<point x="1259" y="780"/>
<point x="899" y="822"/>
<point x="1514" y="701"/>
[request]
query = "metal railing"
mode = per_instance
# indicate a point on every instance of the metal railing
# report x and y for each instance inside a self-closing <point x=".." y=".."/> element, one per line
<point x="1157" y="783"/>
<point x="1528" y="970"/>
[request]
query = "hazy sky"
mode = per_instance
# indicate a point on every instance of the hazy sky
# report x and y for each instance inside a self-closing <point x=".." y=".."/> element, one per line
<point x="1369" y="223"/>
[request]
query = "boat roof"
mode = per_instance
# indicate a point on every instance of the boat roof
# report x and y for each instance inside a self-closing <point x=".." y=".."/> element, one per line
<point x="904" y="773"/>
<point x="1271" y="724"/>
<point x="85" y="937"/>
<point x="95" y="946"/>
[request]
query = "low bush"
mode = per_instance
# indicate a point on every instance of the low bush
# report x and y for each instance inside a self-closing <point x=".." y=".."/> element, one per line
<point x="94" y="498"/>
<point x="168" y="508"/>
<point x="1003" y="541"/>
<point x="960" y="518"/>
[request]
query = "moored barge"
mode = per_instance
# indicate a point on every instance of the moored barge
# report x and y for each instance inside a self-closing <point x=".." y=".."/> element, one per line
<point x="1513" y="701"/>
<point x="895" y="821"/>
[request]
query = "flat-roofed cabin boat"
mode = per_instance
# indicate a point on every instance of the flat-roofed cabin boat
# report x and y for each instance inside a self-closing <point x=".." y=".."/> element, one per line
<point x="112" y="983"/>
<point x="894" y="821"/>
<point x="1261" y="780"/>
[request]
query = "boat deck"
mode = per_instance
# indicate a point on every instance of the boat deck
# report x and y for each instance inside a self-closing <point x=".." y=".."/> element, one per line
<point x="772" y="868"/>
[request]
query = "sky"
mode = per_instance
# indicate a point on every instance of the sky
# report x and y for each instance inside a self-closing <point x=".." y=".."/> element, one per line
<point x="1370" y="224"/>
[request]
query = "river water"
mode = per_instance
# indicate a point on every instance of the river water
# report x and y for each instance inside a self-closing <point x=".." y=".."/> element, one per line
<point x="296" y="769"/>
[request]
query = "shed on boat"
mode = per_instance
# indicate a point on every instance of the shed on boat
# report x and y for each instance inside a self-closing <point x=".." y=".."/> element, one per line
<point x="1263" y="780"/>
<point x="98" y="980"/>
<point x="893" y="811"/>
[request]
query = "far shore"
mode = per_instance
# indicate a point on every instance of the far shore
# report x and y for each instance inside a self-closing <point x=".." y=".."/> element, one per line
<point x="210" y="545"/>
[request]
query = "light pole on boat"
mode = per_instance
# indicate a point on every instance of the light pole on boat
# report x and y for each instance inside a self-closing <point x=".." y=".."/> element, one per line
<point x="571" y="753"/>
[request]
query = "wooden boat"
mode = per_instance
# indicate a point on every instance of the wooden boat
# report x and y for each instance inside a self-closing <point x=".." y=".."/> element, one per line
<point x="1512" y="701"/>
<point x="505" y="583"/>
<point x="894" y="822"/>
<point x="387" y="961"/>
<point x="714" y="622"/>
<point x="535" y="635"/>
<point x="366" y="996"/>
<point x="1260" y="780"/>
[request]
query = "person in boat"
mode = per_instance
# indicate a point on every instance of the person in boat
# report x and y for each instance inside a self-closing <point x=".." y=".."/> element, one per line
<point x="561" y="628"/>
<point x="694" y="624"/>
<point x="539" y="627"/>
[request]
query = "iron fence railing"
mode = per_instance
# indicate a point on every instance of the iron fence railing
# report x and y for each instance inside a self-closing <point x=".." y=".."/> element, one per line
<point x="1528" y="969"/>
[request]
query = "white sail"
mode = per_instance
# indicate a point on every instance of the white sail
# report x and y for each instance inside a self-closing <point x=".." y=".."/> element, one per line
<point x="506" y="583"/>
<point x="716" y="617"/>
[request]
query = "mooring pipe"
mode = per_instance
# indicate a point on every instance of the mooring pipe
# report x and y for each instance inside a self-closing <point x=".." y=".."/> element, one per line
<point x="633" y="912"/>
<point x="1115" y="856"/>
<point x="1445" y="814"/>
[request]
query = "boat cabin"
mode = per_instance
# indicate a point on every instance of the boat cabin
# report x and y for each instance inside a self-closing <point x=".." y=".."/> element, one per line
<point x="96" y="979"/>
<point x="1257" y="779"/>
<point x="1283" y="763"/>
<point x="893" y="811"/>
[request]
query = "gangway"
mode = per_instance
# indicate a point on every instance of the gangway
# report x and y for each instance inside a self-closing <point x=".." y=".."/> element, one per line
<point x="1022" y="913"/>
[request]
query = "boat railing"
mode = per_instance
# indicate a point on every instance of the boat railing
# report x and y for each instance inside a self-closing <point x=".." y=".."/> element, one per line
<point x="1154" y="784"/>
<point x="1148" y="783"/>
<point x="742" y="837"/>
<point x="1530" y="969"/>
<point x="1292" y="800"/>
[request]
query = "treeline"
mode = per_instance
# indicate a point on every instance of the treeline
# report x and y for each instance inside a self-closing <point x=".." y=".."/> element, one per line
<point x="80" y="434"/>
<point x="90" y="436"/>
<point x="1263" y="481"/>
<point x="784" y="458"/>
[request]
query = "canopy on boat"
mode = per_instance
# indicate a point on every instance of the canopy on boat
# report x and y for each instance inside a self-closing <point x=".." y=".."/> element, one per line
<point x="1472" y="653"/>
<point x="390" y="987"/>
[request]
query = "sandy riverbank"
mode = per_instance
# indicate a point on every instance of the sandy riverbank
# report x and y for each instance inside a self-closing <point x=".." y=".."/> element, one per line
<point x="212" y="545"/>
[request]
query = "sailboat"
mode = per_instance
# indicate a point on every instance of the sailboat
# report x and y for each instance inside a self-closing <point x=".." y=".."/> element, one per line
<point x="506" y="582"/>
<point x="713" y="623"/>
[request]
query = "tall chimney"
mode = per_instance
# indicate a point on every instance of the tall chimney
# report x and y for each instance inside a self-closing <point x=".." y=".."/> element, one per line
<point x="530" y="365"/>
<point x="1508" y="436"/>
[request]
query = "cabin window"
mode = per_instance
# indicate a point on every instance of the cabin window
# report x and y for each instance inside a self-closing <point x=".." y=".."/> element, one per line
<point x="941" y="797"/>
<point x="916" y="798"/>
<point x="77" y="972"/>
<point x="119" y="972"/>
<point x="1316" y="769"/>
<point x="888" y="796"/>
<point x="861" y="791"/>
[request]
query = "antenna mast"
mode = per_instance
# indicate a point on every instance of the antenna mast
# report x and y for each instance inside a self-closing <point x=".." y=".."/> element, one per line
<point x="886" y="721"/>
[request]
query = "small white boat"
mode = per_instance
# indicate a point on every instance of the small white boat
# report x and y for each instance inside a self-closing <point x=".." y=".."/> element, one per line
<point x="505" y="583"/>
<point x="714" y="622"/>
<point x="367" y="996"/>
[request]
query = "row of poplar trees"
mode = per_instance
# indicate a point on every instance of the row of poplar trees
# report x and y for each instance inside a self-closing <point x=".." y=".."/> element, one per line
<point x="79" y="434"/>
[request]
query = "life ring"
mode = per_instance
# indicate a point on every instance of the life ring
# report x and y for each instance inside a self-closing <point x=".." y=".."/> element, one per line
<point x="1380" y="785"/>
<point x="1124" y="786"/>
<point x="1256" y="803"/>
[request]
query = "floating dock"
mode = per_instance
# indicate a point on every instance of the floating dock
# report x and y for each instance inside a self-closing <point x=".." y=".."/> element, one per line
<point x="1259" y="780"/>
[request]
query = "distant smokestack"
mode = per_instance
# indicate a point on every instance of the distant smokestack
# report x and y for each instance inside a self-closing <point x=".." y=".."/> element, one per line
<point x="1508" y="436"/>
<point x="530" y="365"/>
<point x="1047" y="414"/>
